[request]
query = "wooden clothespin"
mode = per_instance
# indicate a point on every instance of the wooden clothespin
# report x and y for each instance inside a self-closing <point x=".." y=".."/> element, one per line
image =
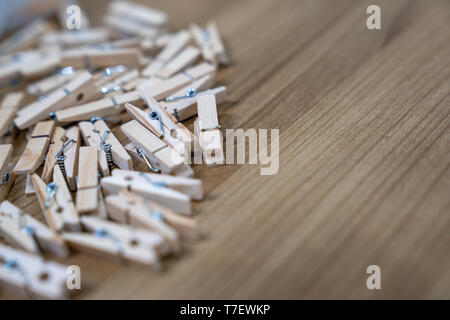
<point x="26" y="37"/>
<point x="211" y="43"/>
<point x="68" y="157"/>
<point x="144" y="15"/>
<point x="23" y="231"/>
<point x="201" y="38"/>
<point x="155" y="121"/>
<point x="50" y="83"/>
<point x="130" y="27"/>
<point x="87" y="194"/>
<point x="108" y="75"/>
<point x="32" y="275"/>
<point x="79" y="90"/>
<point x="100" y="108"/>
<point x="8" y="109"/>
<point x="173" y="47"/>
<point x="37" y="145"/>
<point x="189" y="186"/>
<point x="7" y="176"/>
<point x="216" y="43"/>
<point x="184" y="59"/>
<point x="150" y="188"/>
<point x="56" y="145"/>
<point x="56" y="202"/>
<point x="122" y="80"/>
<point x="96" y="133"/>
<point x="208" y="131"/>
<point x="153" y="44"/>
<point x="165" y="88"/>
<point x="186" y="107"/>
<point x="100" y="57"/>
<point x="127" y="207"/>
<point x="44" y="62"/>
<point x="158" y="151"/>
<point x="73" y="38"/>
<point x="174" y="132"/>
<point x="119" y="241"/>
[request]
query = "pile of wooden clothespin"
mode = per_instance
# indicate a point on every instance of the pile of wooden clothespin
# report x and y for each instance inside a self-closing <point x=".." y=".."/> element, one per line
<point x="133" y="75"/>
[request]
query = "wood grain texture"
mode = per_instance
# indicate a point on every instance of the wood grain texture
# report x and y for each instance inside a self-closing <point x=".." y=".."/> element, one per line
<point x="364" y="158"/>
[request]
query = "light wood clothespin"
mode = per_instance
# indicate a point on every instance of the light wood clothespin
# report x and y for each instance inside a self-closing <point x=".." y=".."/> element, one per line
<point x="32" y="275"/>
<point x="130" y="27"/>
<point x="68" y="159"/>
<point x="23" y="231"/>
<point x="26" y="37"/>
<point x="158" y="151"/>
<point x="50" y="83"/>
<point x="37" y="146"/>
<point x="140" y="13"/>
<point x="93" y="57"/>
<point x="167" y="87"/>
<point x="149" y="188"/>
<point x="119" y="241"/>
<point x="208" y="131"/>
<point x="96" y="133"/>
<point x="79" y="90"/>
<point x="186" y="107"/>
<point x="108" y="75"/>
<point x="173" y="47"/>
<point x="56" y="145"/>
<point x="211" y="43"/>
<point x="127" y="207"/>
<point x="122" y="80"/>
<point x="7" y="176"/>
<point x="100" y="108"/>
<point x="72" y="38"/>
<point x="176" y="134"/>
<point x="189" y="186"/>
<point x="87" y="194"/>
<point x="216" y="43"/>
<point x="56" y="202"/>
<point x="8" y="109"/>
<point x="201" y="38"/>
<point x="152" y="44"/>
<point x="184" y="59"/>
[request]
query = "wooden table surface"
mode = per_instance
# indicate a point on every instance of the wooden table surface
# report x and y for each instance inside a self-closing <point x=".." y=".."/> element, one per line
<point x="364" y="158"/>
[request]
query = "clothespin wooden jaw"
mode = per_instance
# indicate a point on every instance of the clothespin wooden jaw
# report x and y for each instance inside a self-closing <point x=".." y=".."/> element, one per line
<point x="130" y="210"/>
<point x="23" y="231"/>
<point x="7" y="176"/>
<point x="167" y="87"/>
<point x="56" y="202"/>
<point x="208" y="131"/>
<point x="119" y="241"/>
<point x="8" y="109"/>
<point x="149" y="189"/>
<point x="127" y="207"/>
<point x="32" y="275"/>
<point x="56" y="145"/>
<point x="189" y="186"/>
<point x="87" y="193"/>
<point x="44" y="86"/>
<point x="79" y="90"/>
<point x="70" y="156"/>
<point x="72" y="39"/>
<point x="153" y="148"/>
<point x="183" y="104"/>
<point x="37" y="145"/>
<point x="101" y="108"/>
<point x="98" y="133"/>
